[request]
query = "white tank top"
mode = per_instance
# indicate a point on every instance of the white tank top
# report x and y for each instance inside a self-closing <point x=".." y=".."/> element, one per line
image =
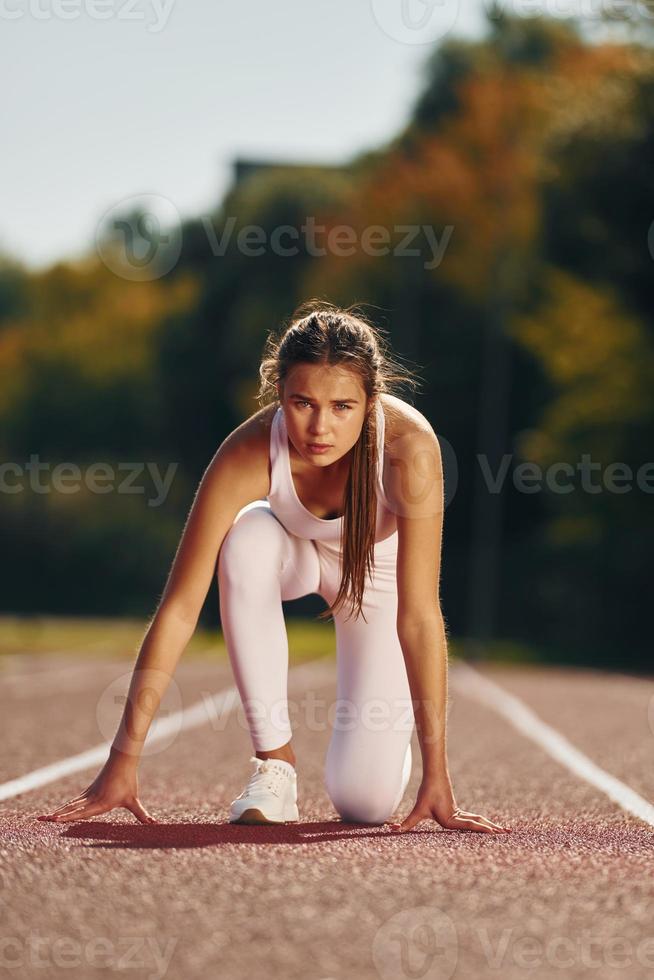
<point x="285" y="503"/>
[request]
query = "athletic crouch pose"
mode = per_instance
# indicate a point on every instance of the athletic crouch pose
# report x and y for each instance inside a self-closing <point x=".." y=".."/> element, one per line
<point x="334" y="487"/>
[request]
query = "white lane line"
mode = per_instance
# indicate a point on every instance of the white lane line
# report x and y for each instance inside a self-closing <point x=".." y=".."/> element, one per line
<point x="214" y="708"/>
<point x="470" y="683"/>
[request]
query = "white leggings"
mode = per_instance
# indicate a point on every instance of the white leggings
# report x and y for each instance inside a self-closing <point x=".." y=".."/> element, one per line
<point x="368" y="762"/>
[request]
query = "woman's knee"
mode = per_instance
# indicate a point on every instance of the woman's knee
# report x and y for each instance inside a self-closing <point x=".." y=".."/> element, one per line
<point x="363" y="811"/>
<point x="355" y="806"/>
<point x="361" y="800"/>
<point x="369" y="794"/>
<point x="254" y="545"/>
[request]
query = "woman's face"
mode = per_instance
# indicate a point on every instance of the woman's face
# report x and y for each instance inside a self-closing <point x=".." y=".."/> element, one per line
<point x="323" y="404"/>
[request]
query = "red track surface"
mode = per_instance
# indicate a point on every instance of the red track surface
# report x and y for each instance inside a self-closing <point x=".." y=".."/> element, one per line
<point x="567" y="894"/>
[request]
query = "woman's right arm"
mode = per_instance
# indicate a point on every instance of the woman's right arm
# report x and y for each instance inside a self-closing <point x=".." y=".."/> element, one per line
<point x="237" y="475"/>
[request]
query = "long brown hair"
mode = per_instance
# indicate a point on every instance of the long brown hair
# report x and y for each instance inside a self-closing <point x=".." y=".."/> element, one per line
<point x="320" y="333"/>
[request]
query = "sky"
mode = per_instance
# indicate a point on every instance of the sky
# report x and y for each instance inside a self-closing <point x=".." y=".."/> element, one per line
<point x="108" y="99"/>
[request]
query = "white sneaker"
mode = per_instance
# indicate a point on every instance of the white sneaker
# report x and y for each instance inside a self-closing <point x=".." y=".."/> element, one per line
<point x="270" y="795"/>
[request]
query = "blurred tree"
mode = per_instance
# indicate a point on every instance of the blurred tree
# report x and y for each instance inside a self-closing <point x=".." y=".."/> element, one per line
<point x="76" y="387"/>
<point x="515" y="158"/>
<point x="524" y="291"/>
<point x="85" y="339"/>
<point x="14" y="289"/>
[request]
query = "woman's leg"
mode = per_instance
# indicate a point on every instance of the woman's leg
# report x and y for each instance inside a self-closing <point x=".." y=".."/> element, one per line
<point x="368" y="763"/>
<point x="259" y="565"/>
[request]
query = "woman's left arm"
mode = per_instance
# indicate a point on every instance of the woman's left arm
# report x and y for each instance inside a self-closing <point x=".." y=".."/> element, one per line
<point x="414" y="487"/>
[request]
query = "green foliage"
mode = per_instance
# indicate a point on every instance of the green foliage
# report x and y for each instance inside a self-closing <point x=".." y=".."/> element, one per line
<point x="535" y="148"/>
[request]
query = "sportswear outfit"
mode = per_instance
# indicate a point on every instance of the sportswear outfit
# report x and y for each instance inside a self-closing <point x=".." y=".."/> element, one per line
<point x="277" y="550"/>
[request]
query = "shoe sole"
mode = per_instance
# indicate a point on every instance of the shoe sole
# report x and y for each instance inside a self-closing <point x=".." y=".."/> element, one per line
<point x="255" y="816"/>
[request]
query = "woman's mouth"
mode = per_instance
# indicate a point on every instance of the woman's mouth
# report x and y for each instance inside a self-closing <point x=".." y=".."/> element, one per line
<point x="317" y="447"/>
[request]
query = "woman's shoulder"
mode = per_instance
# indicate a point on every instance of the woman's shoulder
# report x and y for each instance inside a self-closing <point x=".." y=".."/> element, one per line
<point x="249" y="442"/>
<point x="254" y="432"/>
<point x="401" y="420"/>
<point x="412" y="468"/>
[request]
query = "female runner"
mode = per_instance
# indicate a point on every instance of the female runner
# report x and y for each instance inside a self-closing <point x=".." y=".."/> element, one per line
<point x="334" y="487"/>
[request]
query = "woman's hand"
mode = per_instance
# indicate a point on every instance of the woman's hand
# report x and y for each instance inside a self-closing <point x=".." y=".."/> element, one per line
<point x="115" y="785"/>
<point x="435" y="803"/>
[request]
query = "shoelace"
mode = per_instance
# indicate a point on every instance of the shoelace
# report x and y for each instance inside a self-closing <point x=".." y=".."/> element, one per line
<point x="268" y="776"/>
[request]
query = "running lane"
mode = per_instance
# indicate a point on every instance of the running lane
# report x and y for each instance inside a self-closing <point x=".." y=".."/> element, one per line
<point x="567" y="894"/>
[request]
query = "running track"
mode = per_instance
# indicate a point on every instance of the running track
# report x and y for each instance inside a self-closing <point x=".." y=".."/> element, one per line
<point x="564" y="757"/>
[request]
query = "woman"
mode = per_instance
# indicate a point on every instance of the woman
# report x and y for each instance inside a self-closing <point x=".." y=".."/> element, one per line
<point x="334" y="488"/>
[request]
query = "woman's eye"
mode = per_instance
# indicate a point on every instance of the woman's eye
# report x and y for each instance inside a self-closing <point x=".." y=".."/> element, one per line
<point x="341" y="405"/>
